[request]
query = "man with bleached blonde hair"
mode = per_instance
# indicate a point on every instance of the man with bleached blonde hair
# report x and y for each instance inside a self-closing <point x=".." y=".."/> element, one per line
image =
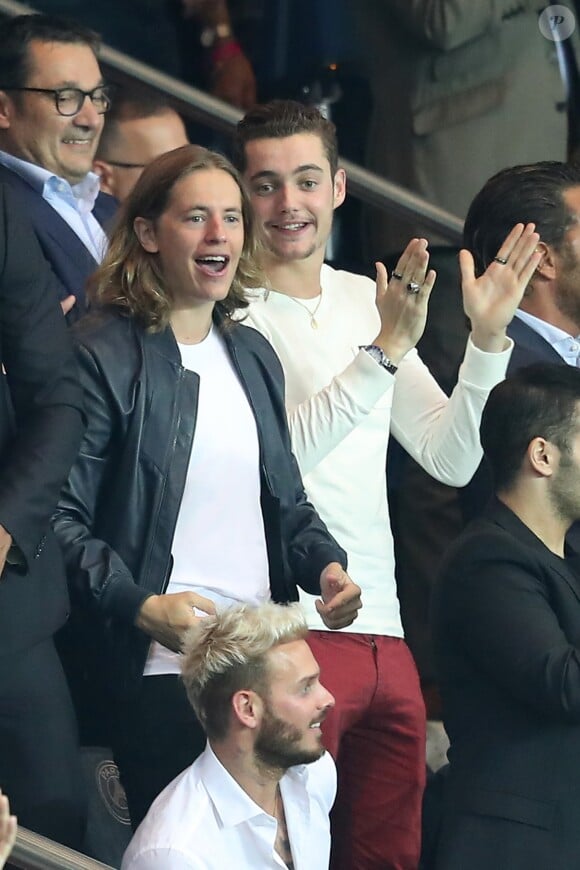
<point x="259" y="795"/>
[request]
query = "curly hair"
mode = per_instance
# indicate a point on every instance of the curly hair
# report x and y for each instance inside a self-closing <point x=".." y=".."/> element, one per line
<point x="130" y="278"/>
<point x="228" y="652"/>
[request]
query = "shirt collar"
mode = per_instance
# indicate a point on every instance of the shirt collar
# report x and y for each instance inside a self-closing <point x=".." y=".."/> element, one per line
<point x="553" y="334"/>
<point x="39" y="178"/>
<point x="231" y="802"/>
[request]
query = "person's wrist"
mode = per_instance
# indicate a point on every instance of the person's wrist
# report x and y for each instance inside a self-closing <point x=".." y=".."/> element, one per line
<point x="393" y="349"/>
<point x="489" y="342"/>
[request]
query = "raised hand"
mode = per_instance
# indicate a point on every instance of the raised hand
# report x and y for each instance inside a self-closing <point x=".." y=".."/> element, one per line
<point x="402" y="300"/>
<point x="167" y="618"/>
<point x="491" y="300"/>
<point x="341" y="599"/>
<point x="7" y="830"/>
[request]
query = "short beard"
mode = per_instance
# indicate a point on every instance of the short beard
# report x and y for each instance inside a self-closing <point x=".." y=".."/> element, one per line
<point x="278" y="745"/>
<point x="568" y="290"/>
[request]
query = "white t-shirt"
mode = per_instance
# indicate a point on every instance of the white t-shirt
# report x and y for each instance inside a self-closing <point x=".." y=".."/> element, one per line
<point x="219" y="546"/>
<point x="341" y="407"/>
<point x="204" y="820"/>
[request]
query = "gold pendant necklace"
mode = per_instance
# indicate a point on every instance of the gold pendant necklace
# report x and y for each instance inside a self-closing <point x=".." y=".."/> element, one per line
<point x="311" y="314"/>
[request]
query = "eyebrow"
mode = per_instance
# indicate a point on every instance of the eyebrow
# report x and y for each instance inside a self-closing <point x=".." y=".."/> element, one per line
<point x="206" y="208"/>
<point x="309" y="679"/>
<point x="269" y="173"/>
<point x="73" y="84"/>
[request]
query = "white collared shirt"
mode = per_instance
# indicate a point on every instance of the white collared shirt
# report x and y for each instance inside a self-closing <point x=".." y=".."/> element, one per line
<point x="73" y="203"/>
<point x="567" y="346"/>
<point x="204" y="820"/>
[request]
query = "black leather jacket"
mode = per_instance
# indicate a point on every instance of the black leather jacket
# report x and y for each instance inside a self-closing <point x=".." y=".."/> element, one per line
<point x="117" y="513"/>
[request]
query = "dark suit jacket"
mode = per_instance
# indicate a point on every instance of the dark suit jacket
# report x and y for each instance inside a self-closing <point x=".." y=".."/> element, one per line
<point x="68" y="258"/>
<point x="529" y="348"/>
<point x="506" y="622"/>
<point x="40" y="430"/>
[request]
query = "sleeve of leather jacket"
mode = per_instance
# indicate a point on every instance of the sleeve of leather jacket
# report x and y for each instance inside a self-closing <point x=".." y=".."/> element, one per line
<point x="42" y="379"/>
<point x="97" y="575"/>
<point x="447" y="24"/>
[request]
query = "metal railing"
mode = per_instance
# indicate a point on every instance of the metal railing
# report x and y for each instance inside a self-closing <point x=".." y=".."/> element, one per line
<point x="206" y="109"/>
<point x="33" y="852"/>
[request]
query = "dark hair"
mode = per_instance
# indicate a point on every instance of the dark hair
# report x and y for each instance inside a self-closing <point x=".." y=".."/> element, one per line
<point x="130" y="278"/>
<point x="17" y="33"/>
<point x="279" y="119"/>
<point x="130" y="104"/>
<point x="530" y="193"/>
<point x="540" y="400"/>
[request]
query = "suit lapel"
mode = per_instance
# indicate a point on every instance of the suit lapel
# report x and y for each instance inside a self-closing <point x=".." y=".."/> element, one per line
<point x="502" y="516"/>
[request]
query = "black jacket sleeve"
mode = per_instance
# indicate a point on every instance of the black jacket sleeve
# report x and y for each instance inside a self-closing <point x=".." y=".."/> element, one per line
<point x="41" y="409"/>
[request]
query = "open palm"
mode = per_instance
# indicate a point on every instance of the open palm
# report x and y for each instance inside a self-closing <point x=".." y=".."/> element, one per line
<point x="491" y="300"/>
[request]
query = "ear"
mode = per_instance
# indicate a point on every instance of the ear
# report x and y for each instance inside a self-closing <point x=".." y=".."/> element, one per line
<point x="106" y="173"/>
<point x="6" y="110"/>
<point x="547" y="267"/>
<point x="247" y="708"/>
<point x="339" y="188"/>
<point x="543" y="457"/>
<point x="145" y="232"/>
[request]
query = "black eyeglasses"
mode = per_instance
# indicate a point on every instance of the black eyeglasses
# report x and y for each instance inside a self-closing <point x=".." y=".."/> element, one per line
<point x="69" y="101"/>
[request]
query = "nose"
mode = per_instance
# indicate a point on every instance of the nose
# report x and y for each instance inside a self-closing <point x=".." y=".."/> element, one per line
<point x="87" y="116"/>
<point x="326" y="699"/>
<point x="286" y="198"/>
<point x="215" y="229"/>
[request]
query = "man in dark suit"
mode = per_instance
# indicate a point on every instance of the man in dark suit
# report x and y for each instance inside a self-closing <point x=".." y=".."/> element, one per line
<point x="40" y="430"/>
<point x="546" y="327"/>
<point x="52" y="106"/>
<point x="506" y="621"/>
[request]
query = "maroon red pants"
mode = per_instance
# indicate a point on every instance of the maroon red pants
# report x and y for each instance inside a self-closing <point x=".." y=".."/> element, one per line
<point x="376" y="734"/>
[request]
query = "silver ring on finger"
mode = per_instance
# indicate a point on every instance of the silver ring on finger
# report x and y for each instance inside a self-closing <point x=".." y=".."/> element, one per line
<point x="413" y="287"/>
<point x="501" y="260"/>
<point x="396" y="275"/>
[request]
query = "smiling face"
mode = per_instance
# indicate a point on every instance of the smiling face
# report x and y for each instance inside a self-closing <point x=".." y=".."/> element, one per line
<point x="297" y="704"/>
<point x="293" y="194"/>
<point x="30" y="126"/>
<point x="198" y="238"/>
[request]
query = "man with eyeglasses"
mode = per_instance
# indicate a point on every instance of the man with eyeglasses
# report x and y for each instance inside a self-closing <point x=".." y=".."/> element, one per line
<point x="52" y="106"/>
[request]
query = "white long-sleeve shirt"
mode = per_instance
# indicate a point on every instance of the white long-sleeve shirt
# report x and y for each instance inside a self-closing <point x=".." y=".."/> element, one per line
<point x="341" y="407"/>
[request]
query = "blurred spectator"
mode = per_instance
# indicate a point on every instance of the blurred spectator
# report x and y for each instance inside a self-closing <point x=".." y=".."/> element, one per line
<point x="138" y="128"/>
<point x="259" y="795"/>
<point x="461" y="89"/>
<point x="52" y="106"/>
<point x="40" y="430"/>
<point x="157" y="32"/>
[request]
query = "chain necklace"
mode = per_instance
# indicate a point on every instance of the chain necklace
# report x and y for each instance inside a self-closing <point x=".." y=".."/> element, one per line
<point x="311" y="314"/>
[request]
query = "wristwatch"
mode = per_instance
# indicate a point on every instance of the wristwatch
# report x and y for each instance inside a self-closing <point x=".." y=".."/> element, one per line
<point x="210" y="35"/>
<point x="380" y="357"/>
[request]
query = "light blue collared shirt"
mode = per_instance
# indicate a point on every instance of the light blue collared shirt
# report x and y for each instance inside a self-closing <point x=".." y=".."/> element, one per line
<point x="74" y="203"/>
<point x="567" y="346"/>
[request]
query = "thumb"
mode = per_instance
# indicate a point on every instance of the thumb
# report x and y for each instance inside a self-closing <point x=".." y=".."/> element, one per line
<point x="466" y="266"/>
<point x="382" y="279"/>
